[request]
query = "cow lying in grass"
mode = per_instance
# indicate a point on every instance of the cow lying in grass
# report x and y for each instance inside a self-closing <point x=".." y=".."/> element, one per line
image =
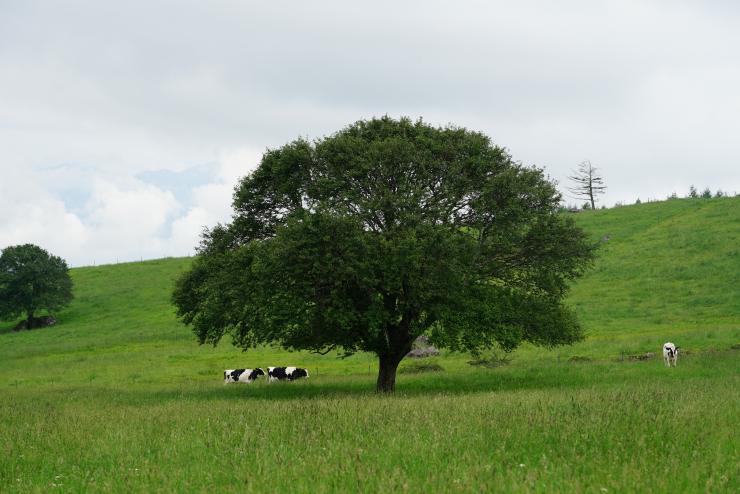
<point x="245" y="376"/>
<point x="285" y="373"/>
<point x="670" y="354"/>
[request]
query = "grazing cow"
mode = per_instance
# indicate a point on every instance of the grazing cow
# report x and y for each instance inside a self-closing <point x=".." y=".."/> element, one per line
<point x="282" y="373"/>
<point x="245" y="376"/>
<point x="670" y="354"/>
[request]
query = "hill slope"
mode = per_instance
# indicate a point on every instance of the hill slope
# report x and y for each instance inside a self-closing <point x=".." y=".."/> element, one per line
<point x="669" y="270"/>
<point x="119" y="398"/>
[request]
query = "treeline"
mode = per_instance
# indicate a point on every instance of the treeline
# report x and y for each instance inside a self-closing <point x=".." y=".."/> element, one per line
<point x="693" y="193"/>
<point x="705" y="194"/>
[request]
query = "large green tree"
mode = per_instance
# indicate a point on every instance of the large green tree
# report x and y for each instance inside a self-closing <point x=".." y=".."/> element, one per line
<point x="388" y="229"/>
<point x="31" y="280"/>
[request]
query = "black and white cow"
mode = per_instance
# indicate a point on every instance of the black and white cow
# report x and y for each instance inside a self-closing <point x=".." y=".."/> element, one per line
<point x="282" y="373"/>
<point x="670" y="354"/>
<point x="245" y="376"/>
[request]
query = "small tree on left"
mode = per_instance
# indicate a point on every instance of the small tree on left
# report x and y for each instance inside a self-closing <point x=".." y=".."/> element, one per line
<point x="32" y="280"/>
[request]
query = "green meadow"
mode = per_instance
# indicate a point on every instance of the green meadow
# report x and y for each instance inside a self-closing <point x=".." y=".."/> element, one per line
<point x="118" y="397"/>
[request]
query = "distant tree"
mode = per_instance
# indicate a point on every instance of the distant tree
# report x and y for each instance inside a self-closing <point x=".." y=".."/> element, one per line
<point x="719" y="193"/>
<point x="693" y="193"/>
<point x="638" y="201"/>
<point x="384" y="231"/>
<point x="706" y="194"/>
<point x="672" y="196"/>
<point x="31" y="280"/>
<point x="587" y="183"/>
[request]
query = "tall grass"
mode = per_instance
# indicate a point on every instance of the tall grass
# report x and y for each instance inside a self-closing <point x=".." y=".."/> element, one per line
<point x="623" y="427"/>
<point x="119" y="398"/>
<point x="670" y="268"/>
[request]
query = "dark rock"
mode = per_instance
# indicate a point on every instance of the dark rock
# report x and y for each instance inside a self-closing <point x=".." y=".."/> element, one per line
<point x="421" y="341"/>
<point x="423" y="352"/>
<point x="421" y="348"/>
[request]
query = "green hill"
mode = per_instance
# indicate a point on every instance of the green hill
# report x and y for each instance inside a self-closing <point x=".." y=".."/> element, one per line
<point x="118" y="397"/>
<point x="668" y="269"/>
<point x="665" y="271"/>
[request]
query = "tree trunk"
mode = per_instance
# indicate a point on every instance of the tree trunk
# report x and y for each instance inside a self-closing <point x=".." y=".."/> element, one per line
<point x="29" y="321"/>
<point x="398" y="345"/>
<point x="387" y="367"/>
<point x="591" y="186"/>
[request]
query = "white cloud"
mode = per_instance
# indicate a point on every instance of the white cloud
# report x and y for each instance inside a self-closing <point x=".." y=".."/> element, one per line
<point x="94" y="95"/>
<point x="237" y="163"/>
<point x="42" y="221"/>
<point x="29" y="214"/>
<point x="118" y="209"/>
<point x="212" y="202"/>
<point x="129" y="222"/>
<point x="122" y="219"/>
<point x="116" y="224"/>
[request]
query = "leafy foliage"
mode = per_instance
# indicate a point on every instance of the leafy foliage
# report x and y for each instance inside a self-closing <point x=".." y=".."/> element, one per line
<point x="381" y="232"/>
<point x="31" y="279"/>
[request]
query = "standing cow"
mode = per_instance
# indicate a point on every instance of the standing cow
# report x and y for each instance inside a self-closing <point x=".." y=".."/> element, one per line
<point x="670" y="354"/>
<point x="283" y="373"/>
<point x="245" y="376"/>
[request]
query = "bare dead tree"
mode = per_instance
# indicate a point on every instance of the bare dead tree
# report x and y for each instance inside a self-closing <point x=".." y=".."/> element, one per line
<point x="587" y="183"/>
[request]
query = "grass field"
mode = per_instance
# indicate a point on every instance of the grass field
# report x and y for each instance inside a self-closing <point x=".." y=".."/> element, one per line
<point x="119" y="398"/>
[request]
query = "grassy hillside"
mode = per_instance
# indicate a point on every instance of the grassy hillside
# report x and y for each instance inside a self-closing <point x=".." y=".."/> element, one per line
<point x="119" y="397"/>
<point x="669" y="270"/>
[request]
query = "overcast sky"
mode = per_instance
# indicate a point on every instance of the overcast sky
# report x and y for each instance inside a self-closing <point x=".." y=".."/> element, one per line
<point x="124" y="126"/>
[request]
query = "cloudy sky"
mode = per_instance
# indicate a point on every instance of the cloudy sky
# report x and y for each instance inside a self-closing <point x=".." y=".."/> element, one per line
<point x="124" y="126"/>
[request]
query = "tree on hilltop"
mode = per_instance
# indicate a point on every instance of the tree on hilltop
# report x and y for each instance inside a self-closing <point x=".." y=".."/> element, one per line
<point x="386" y="230"/>
<point x="31" y="280"/>
<point x="587" y="183"/>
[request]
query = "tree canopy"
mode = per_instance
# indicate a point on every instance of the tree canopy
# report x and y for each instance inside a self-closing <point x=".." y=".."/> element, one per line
<point x="388" y="229"/>
<point x="31" y="280"/>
